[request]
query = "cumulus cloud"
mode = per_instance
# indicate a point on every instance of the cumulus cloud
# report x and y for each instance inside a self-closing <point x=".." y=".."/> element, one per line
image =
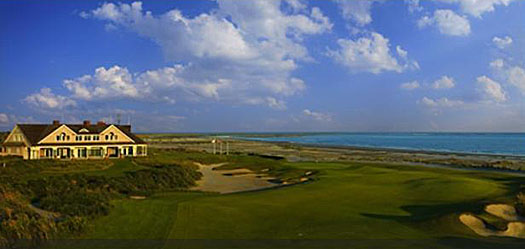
<point x="296" y="5"/>
<point x="441" y="102"/>
<point x="242" y="51"/>
<point x="444" y="82"/>
<point x="490" y="89"/>
<point x="4" y="119"/>
<point x="496" y="64"/>
<point x="370" y="54"/>
<point x="502" y="43"/>
<point x="516" y="77"/>
<point x="413" y="5"/>
<point x="447" y="22"/>
<point x="477" y="8"/>
<point x="105" y="83"/>
<point x="318" y="115"/>
<point x="358" y="11"/>
<point x="513" y="75"/>
<point x="178" y="82"/>
<point x="410" y="85"/>
<point x="275" y="103"/>
<point x="47" y="99"/>
<point x="401" y="52"/>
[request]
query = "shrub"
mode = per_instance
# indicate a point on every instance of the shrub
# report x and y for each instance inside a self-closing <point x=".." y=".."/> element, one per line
<point x="520" y="204"/>
<point x="75" y="198"/>
<point x="73" y="225"/>
<point x="18" y="221"/>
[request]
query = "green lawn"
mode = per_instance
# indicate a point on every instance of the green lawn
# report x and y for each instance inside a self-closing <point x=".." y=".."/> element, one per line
<point x="374" y="205"/>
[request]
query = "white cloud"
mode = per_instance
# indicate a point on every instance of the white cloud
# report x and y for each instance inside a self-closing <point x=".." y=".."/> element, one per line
<point x="276" y="104"/>
<point x="478" y="7"/>
<point x="502" y="43"/>
<point x="447" y="22"/>
<point x="516" y="77"/>
<point x="410" y="85"/>
<point x="47" y="99"/>
<point x="178" y="82"/>
<point x="491" y="89"/>
<point x="358" y="11"/>
<point x="498" y="63"/>
<point x="370" y="54"/>
<point x="3" y="118"/>
<point x="318" y="115"/>
<point x="297" y="5"/>
<point x="442" y="102"/>
<point x="444" y="82"/>
<point x="108" y="83"/>
<point x="7" y="120"/>
<point x="428" y="102"/>
<point x="242" y="50"/>
<point x="401" y="52"/>
<point x="413" y="5"/>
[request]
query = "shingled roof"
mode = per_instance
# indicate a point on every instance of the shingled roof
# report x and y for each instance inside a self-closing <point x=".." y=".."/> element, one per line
<point x="36" y="132"/>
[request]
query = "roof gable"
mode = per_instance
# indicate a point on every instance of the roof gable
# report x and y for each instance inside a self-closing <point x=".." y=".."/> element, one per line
<point x="13" y="137"/>
<point x="34" y="133"/>
<point x="58" y="130"/>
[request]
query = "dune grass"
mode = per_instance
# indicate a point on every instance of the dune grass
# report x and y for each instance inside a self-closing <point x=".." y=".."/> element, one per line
<point x="356" y="201"/>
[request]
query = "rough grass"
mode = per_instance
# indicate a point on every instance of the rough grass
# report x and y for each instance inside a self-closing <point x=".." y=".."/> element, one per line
<point x="365" y="202"/>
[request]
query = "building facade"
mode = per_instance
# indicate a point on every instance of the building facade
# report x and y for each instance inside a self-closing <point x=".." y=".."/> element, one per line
<point x="73" y="141"/>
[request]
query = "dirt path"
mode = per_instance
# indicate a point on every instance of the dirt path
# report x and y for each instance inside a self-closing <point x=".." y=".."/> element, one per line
<point x="230" y="181"/>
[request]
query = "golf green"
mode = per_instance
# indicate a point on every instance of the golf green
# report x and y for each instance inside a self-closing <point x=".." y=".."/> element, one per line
<point x="373" y="203"/>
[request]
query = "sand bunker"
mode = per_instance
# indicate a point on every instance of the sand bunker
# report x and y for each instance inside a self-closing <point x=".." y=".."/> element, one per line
<point x="504" y="211"/>
<point x="137" y="197"/>
<point x="514" y="229"/>
<point x="230" y="181"/>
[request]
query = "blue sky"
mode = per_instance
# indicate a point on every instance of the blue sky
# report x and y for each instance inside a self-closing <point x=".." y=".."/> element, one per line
<point x="210" y="66"/>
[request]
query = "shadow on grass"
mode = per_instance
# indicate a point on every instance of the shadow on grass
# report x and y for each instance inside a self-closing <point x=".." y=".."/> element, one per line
<point x="285" y="243"/>
<point x="430" y="218"/>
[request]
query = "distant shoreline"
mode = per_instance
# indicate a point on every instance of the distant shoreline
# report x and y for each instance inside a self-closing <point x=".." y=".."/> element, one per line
<point x="253" y="137"/>
<point x="387" y="149"/>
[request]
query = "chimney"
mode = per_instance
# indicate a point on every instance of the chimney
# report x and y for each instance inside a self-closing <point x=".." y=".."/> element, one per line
<point x="56" y="122"/>
<point x="87" y="123"/>
<point x="101" y="123"/>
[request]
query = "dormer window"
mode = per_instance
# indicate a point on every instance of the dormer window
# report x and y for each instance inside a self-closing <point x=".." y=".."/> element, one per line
<point x="78" y="138"/>
<point x="62" y="137"/>
<point x="83" y="130"/>
<point x="111" y="136"/>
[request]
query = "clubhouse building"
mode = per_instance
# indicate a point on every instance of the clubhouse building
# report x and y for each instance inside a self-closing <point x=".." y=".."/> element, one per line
<point x="73" y="141"/>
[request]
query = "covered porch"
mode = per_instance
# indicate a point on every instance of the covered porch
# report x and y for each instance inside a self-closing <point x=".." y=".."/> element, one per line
<point x="88" y="152"/>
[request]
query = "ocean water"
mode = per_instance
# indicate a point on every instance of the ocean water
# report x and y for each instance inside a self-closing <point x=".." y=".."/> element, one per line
<point x="478" y="143"/>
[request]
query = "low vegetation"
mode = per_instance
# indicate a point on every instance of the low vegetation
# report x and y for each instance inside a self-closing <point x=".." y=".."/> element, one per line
<point x="520" y="204"/>
<point x="47" y="199"/>
<point x="41" y="200"/>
